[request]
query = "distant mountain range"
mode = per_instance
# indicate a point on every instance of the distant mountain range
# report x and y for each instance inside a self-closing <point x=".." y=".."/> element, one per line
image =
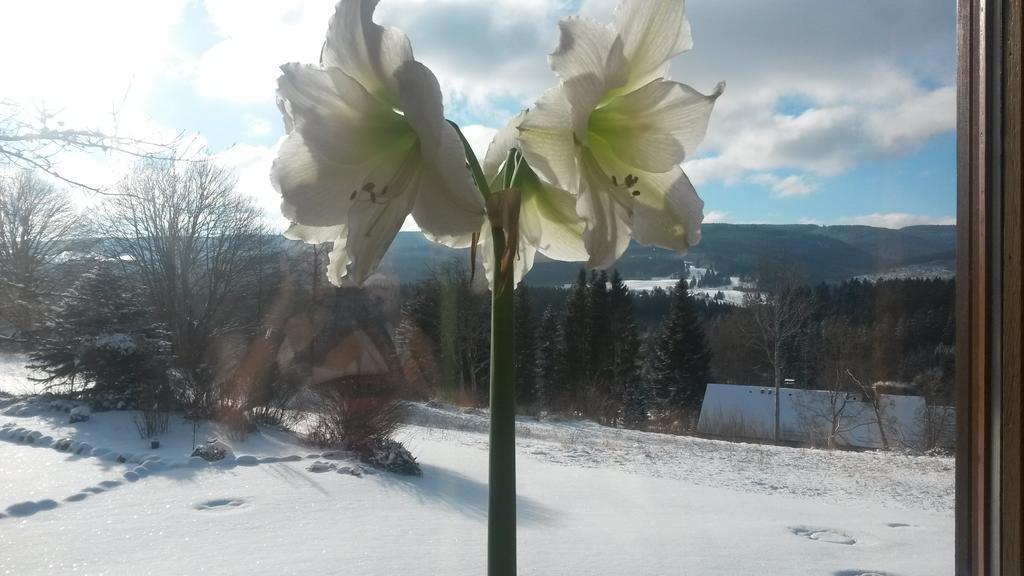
<point x="823" y="253"/>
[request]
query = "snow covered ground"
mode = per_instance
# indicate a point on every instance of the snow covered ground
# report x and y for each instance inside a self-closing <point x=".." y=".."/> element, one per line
<point x="592" y="500"/>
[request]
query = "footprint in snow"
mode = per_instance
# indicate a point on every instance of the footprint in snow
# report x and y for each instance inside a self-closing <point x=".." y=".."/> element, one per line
<point x="900" y="525"/>
<point x="824" y="535"/>
<point x="861" y="573"/>
<point x="30" y="508"/>
<point x="221" y="504"/>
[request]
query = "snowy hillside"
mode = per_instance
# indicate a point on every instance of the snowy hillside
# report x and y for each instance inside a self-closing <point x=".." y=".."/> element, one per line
<point x="592" y="500"/>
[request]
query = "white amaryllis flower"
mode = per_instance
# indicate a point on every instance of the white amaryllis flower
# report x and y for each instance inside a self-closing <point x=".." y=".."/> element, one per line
<point x="548" y="222"/>
<point x="367" y="144"/>
<point x="615" y="130"/>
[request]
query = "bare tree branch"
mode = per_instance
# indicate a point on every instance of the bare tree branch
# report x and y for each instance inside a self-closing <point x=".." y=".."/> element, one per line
<point x="33" y="142"/>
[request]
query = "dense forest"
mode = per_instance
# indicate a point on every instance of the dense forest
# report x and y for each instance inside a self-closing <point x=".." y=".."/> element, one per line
<point x="184" y="300"/>
<point x="571" y="341"/>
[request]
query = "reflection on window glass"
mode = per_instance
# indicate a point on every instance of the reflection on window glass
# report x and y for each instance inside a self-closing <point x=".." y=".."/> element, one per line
<point x="248" y="331"/>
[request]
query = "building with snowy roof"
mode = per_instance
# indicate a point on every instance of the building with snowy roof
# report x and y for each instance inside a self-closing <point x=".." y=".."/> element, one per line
<point x="826" y="418"/>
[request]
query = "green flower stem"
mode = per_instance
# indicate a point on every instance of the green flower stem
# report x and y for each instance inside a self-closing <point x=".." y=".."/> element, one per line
<point x="501" y="525"/>
<point x="501" y="517"/>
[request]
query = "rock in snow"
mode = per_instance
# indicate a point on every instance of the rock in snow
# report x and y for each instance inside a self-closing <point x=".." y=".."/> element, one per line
<point x="79" y="414"/>
<point x="318" y="467"/>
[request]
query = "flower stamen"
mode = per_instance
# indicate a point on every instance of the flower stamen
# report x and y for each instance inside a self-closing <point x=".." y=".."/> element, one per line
<point x="370" y="191"/>
<point x="629" y="182"/>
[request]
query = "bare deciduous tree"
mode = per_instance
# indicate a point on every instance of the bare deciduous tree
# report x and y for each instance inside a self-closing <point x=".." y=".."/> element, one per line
<point x="195" y="243"/>
<point x="36" y="222"/>
<point x="779" y="312"/>
<point x="873" y="395"/>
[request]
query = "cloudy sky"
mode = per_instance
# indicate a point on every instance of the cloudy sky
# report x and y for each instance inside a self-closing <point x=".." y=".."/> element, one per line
<point x="835" y="111"/>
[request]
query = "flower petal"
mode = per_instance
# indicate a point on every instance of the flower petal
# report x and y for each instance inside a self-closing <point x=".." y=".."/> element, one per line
<point x="448" y="206"/>
<point x="652" y="32"/>
<point x="337" y="263"/>
<point x="336" y="115"/>
<point x="373" y="224"/>
<point x="314" y="234"/>
<point x="606" y="210"/>
<point x="340" y="134"/>
<point x="590" y="61"/>
<point x="497" y="152"/>
<point x="668" y="212"/>
<point x="665" y="209"/>
<point x="546" y="135"/>
<point x="655" y="127"/>
<point x="548" y="221"/>
<point x="419" y="96"/>
<point x="586" y="47"/>
<point x="338" y="258"/>
<point x="314" y="190"/>
<point x="366" y="51"/>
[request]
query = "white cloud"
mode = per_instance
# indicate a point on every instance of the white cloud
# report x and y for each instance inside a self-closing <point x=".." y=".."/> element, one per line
<point x="842" y="84"/>
<point x="715" y="216"/>
<point x="256" y="38"/>
<point x="479" y="138"/>
<point x="256" y="126"/>
<point x="498" y="53"/>
<point x="825" y="141"/>
<point x="874" y="81"/>
<point x="252" y="164"/>
<point x="895" y="220"/>
<point x="785" y="187"/>
<point x="90" y="59"/>
<point x="808" y="97"/>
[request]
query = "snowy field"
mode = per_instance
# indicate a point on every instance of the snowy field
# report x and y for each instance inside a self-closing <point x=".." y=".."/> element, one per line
<point x="592" y="501"/>
<point x="732" y="294"/>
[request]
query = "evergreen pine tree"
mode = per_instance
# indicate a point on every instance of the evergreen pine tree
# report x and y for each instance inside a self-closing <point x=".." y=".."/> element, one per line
<point x="525" y="351"/>
<point x="97" y="340"/>
<point x="636" y="400"/>
<point x="599" y="343"/>
<point x="626" y="391"/>
<point x="575" y="344"/>
<point x="551" y="391"/>
<point x="681" y="364"/>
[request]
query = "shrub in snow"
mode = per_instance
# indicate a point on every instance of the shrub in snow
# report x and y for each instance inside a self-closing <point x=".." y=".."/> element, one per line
<point x="213" y="451"/>
<point x="390" y="455"/>
<point x="152" y="423"/>
<point x="237" y="421"/>
<point x="79" y="414"/>
<point x="156" y="399"/>
<point x="359" y="414"/>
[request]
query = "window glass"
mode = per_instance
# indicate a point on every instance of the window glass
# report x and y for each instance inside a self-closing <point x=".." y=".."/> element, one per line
<point x="198" y="377"/>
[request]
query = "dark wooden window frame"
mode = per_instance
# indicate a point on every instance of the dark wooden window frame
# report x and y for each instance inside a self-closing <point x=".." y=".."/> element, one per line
<point x="990" y="466"/>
